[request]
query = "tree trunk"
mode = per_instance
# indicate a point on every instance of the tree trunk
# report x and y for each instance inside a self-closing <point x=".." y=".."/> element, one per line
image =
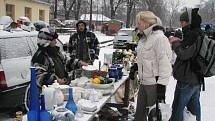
<point x="78" y="7"/>
<point x="105" y="8"/>
<point x="67" y="15"/>
<point x="91" y="10"/>
<point x="129" y="8"/>
<point x="112" y="14"/>
<point x="55" y="9"/>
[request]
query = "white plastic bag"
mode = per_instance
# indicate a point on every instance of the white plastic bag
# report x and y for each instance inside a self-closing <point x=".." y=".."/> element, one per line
<point x="165" y="109"/>
<point x="188" y="116"/>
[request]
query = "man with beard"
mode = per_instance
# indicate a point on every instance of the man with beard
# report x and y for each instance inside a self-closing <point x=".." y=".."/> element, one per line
<point x="83" y="47"/>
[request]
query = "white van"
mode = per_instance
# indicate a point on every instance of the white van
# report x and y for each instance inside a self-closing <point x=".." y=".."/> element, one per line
<point x="16" y="50"/>
<point x="123" y="37"/>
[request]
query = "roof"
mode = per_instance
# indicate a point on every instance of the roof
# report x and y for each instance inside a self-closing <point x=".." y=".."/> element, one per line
<point x="42" y="1"/>
<point x="95" y="17"/>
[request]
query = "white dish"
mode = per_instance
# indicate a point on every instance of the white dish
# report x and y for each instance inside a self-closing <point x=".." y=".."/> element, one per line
<point x="87" y="105"/>
<point x="102" y="86"/>
<point x="89" y="68"/>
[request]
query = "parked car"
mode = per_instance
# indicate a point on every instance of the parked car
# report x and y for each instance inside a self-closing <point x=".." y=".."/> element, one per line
<point x="123" y="37"/>
<point x="16" y="50"/>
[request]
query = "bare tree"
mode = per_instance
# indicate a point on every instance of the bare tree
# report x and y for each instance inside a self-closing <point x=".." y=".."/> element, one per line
<point x="114" y="6"/>
<point x="207" y="11"/>
<point x="78" y="7"/>
<point x="55" y="9"/>
<point x="130" y="4"/>
<point x="173" y="10"/>
<point x="156" y="6"/>
<point x="68" y="5"/>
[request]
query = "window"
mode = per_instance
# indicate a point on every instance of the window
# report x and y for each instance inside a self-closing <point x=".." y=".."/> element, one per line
<point x="42" y="15"/>
<point x="17" y="47"/>
<point x="28" y="12"/>
<point x="10" y="11"/>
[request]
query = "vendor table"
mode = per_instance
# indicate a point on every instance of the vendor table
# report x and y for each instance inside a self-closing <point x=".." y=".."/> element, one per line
<point x="105" y="99"/>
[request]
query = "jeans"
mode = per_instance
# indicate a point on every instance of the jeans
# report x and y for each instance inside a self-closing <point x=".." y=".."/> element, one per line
<point x="186" y="95"/>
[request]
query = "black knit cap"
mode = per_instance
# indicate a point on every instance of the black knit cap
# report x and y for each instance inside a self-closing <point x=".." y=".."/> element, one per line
<point x="81" y="22"/>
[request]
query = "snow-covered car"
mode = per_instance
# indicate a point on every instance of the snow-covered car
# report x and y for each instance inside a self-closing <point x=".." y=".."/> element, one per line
<point x="5" y="21"/>
<point x="16" y="50"/>
<point x="123" y="37"/>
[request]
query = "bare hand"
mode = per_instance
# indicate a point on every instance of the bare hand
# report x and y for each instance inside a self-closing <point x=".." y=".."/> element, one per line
<point x="173" y="39"/>
<point x="61" y="81"/>
<point x="83" y="63"/>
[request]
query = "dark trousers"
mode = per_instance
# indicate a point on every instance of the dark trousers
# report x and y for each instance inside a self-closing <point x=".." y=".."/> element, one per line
<point x="147" y="96"/>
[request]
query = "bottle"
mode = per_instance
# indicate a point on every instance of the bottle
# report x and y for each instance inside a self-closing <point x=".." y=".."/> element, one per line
<point x="70" y="103"/>
<point x="44" y="115"/>
<point x="33" y="113"/>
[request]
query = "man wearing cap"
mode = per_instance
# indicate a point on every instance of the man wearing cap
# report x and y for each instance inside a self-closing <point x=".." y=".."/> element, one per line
<point x="185" y="70"/>
<point x="48" y="60"/>
<point x="83" y="47"/>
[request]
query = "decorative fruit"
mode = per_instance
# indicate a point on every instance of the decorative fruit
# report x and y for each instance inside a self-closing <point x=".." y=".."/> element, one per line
<point x="96" y="81"/>
<point x="95" y="75"/>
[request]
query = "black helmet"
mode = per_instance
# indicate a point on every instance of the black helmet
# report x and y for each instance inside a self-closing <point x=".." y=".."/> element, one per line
<point x="47" y="34"/>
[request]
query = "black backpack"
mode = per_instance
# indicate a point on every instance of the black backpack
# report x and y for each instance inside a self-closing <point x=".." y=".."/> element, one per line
<point x="206" y="56"/>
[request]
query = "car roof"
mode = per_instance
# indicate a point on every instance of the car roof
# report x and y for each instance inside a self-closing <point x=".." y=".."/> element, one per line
<point x="16" y="33"/>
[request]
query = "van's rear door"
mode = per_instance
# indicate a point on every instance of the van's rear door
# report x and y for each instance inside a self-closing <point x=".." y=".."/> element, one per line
<point x="16" y="54"/>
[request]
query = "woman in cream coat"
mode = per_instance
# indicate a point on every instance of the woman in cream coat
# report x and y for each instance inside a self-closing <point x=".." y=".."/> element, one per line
<point x="153" y="58"/>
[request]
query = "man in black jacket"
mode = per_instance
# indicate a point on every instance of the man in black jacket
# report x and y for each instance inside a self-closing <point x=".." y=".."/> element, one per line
<point x="83" y="47"/>
<point x="185" y="70"/>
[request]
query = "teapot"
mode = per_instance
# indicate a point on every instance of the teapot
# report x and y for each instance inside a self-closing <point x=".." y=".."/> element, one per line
<point x="62" y="114"/>
<point x="50" y="97"/>
<point x="58" y="93"/>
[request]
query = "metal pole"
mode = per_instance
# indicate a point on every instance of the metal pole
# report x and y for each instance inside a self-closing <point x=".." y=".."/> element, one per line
<point x="91" y="9"/>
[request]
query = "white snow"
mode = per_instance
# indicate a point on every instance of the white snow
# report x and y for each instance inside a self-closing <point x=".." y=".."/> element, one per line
<point x="101" y="37"/>
<point x="95" y="17"/>
<point x="207" y="96"/>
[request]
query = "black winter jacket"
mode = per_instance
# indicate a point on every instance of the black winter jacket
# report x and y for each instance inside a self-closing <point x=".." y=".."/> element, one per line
<point x="83" y="46"/>
<point x="185" y="68"/>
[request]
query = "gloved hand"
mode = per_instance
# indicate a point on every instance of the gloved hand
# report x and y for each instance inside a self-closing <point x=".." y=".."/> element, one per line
<point x="133" y="69"/>
<point x="161" y="90"/>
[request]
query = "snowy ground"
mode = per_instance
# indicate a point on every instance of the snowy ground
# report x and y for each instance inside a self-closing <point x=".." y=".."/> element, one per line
<point x="101" y="37"/>
<point x="207" y="97"/>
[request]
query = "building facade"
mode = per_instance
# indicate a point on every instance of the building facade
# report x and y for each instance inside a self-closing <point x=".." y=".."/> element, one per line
<point x="33" y="9"/>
